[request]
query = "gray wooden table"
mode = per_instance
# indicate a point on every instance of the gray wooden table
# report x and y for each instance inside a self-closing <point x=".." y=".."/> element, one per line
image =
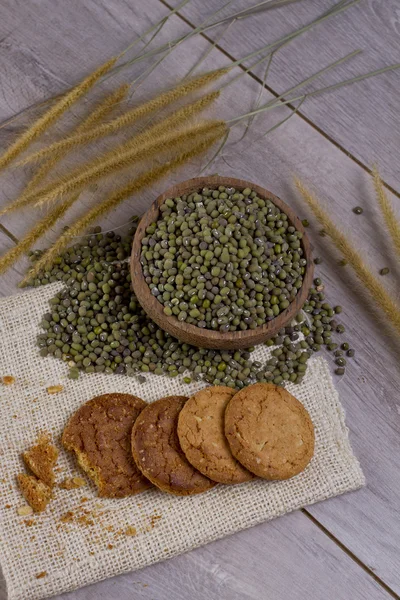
<point x="348" y="547"/>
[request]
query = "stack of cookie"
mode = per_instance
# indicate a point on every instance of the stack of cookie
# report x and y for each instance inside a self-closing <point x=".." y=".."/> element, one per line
<point x="186" y="446"/>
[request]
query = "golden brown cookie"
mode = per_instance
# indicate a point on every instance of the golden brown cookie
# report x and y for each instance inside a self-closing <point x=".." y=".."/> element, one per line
<point x="41" y="459"/>
<point x="100" y="435"/>
<point x="35" y="492"/>
<point x="269" y="431"/>
<point x="157" y="452"/>
<point x="201" y="432"/>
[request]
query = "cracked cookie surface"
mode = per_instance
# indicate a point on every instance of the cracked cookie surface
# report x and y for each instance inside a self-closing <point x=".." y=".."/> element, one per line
<point x="269" y="431"/>
<point x="99" y="433"/>
<point x="156" y="449"/>
<point x="202" y="436"/>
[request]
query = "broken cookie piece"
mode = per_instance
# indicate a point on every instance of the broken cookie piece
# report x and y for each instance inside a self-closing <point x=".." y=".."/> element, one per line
<point x="41" y="460"/>
<point x="35" y="492"/>
<point x="99" y="433"/>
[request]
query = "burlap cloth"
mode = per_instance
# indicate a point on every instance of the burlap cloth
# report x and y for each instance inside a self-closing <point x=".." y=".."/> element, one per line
<point x="58" y="551"/>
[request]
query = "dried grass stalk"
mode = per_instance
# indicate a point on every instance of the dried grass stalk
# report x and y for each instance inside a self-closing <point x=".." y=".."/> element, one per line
<point x="130" y="117"/>
<point x="99" y="113"/>
<point x="188" y="150"/>
<point x="9" y="258"/>
<point x="382" y="298"/>
<point x="153" y="140"/>
<point x="386" y="207"/>
<point x="19" y="202"/>
<point x="50" y="116"/>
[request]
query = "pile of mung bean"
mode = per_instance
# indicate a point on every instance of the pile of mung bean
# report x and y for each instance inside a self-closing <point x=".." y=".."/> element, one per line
<point x="95" y="324"/>
<point x="223" y="259"/>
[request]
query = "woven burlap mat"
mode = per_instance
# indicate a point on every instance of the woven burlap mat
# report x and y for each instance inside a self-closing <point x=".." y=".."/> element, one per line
<point x="81" y="539"/>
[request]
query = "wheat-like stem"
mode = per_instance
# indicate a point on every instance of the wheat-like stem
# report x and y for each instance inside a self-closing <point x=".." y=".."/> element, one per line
<point x="9" y="258"/>
<point x="389" y="216"/>
<point x="279" y="100"/>
<point x="97" y="115"/>
<point x="188" y="150"/>
<point x="131" y="116"/>
<point x="50" y="116"/>
<point x="19" y="202"/>
<point x="152" y="140"/>
<point x="382" y="298"/>
<point x="153" y="29"/>
<point x="335" y="10"/>
<point x="242" y="14"/>
<point x="101" y="111"/>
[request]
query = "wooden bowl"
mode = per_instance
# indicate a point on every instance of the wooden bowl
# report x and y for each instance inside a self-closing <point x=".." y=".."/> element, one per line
<point x="207" y="338"/>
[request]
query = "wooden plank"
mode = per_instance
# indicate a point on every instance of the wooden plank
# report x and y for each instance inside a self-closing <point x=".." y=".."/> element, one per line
<point x="361" y="118"/>
<point x="288" y="556"/>
<point x="368" y="391"/>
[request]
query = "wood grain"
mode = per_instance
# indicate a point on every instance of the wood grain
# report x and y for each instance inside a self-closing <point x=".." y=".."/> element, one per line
<point x="48" y="45"/>
<point x="207" y="338"/>
<point x="286" y="558"/>
<point x="363" y="118"/>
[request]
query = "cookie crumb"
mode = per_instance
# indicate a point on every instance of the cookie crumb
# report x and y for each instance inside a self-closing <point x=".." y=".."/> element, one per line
<point x="85" y="520"/>
<point x="110" y="546"/>
<point x="41" y="575"/>
<point x="24" y="511"/>
<point x="8" y="380"/>
<point x="54" y="389"/>
<point x="67" y="517"/>
<point x="154" y="519"/>
<point x="131" y="531"/>
<point x="30" y="522"/>
<point x="72" y="483"/>
<point x="7" y="506"/>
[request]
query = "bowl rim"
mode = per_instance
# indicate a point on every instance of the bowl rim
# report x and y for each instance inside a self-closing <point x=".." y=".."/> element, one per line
<point x="209" y="338"/>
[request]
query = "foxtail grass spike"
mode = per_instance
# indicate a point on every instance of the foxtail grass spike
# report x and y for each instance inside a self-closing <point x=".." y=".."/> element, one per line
<point x="353" y="258"/>
<point x="392" y="224"/>
<point x="156" y="27"/>
<point x="131" y="116"/>
<point x="242" y="14"/>
<point x="50" y="116"/>
<point x="149" y="142"/>
<point x="97" y="115"/>
<point x="9" y="258"/>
